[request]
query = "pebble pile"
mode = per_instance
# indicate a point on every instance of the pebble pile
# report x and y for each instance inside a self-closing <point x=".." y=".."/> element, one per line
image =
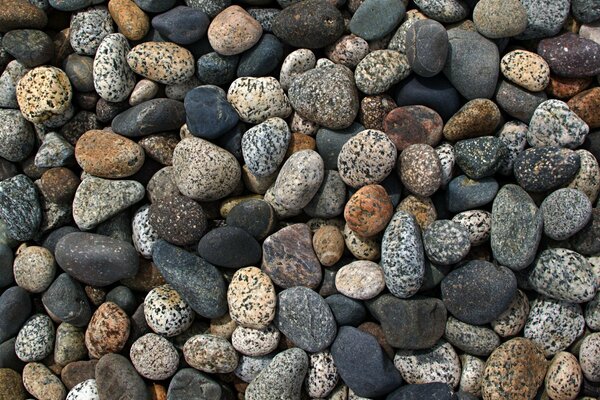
<point x="299" y="199"/>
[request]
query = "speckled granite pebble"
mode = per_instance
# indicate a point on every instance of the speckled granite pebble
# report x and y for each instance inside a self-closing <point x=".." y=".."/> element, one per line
<point x="440" y="363"/>
<point x="264" y="146"/>
<point x="209" y="353"/>
<point x="539" y="169"/>
<point x="43" y="93"/>
<point x="113" y="79"/>
<point x="299" y="179"/>
<point x="251" y="298"/>
<point x="86" y="390"/>
<point x="154" y="357"/>
<point x="380" y="70"/>
<point x="446" y="11"/>
<point x="565" y="212"/>
<point x="166" y="312"/>
<point x="35" y="340"/>
<point x="446" y="242"/>
<point x="282" y="378"/>
<point x="42" y="383"/>
<point x="588" y="357"/>
<point x="34" y="269"/>
<point x="258" y="99"/>
<point x="554" y="124"/>
<point x="143" y="235"/>
<point x="544" y="20"/>
<point x="255" y="342"/>
<point x="88" y="28"/>
<point x="107" y="331"/>
<point x="472" y="339"/>
<point x="163" y="62"/>
<point x="420" y="169"/>
<point x="526" y="69"/>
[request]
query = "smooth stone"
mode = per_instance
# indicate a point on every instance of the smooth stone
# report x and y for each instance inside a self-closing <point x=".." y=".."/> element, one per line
<point x="299" y="179"/>
<point x="258" y="99"/>
<point x="470" y="293"/>
<point x="584" y="104"/>
<point x="178" y="219"/>
<point x="565" y="212"/>
<point x="84" y="390"/>
<point x="80" y="69"/>
<point x="379" y="70"/>
<point x="96" y="200"/>
<point x="249" y="367"/>
<point x="540" y="169"/>
<point x="587" y="241"/>
<point x="155" y="6"/>
<point x="229" y="247"/>
<point x="553" y="324"/>
<point x="16" y="135"/>
<point x="88" y="28"/>
<point x="108" y="155"/>
<point x="256" y="217"/>
<point x="282" y="378"/>
<point x="261" y="59"/>
<point x="204" y="171"/>
<point x="563" y="274"/>
<point x="123" y="297"/>
<point x="152" y="116"/>
<point x="480" y="157"/>
<point x="40" y="382"/>
<point x="113" y="79"/>
<point x="216" y="69"/>
<point x="446" y="242"/>
<point x="478" y="224"/>
<point x="58" y="185"/>
<point x="66" y="300"/>
<point x="426" y="47"/>
<point x="415" y="323"/>
<point x="200" y="284"/>
<point x="588" y="357"/>
<point x="77" y="372"/>
<point x="500" y="19"/>
<point x="115" y="372"/>
<point x="564" y="377"/>
<point x="6" y="266"/>
<point x="55" y="151"/>
<point x="420" y="169"/>
<point x="163" y="62"/>
<point x="402" y="255"/>
<point x="544" y="20"/>
<point x="34" y="269"/>
<point x="107" y="331"/>
<point x="346" y="311"/>
<point x="360" y="247"/>
<point x="210" y="353"/>
<point x="526" y="69"/>
<point x="434" y="390"/>
<point x="35" y="340"/>
<point x="472" y="339"/>
<point x="9" y="79"/>
<point x="210" y="7"/>
<point x="585" y="10"/>
<point x="264" y="16"/>
<point x="470" y="379"/>
<point x="48" y="83"/>
<point x="182" y="25"/>
<point x="322" y="376"/>
<point x="369" y="210"/>
<point x="446" y="11"/>
<point x="472" y="65"/>
<point x="326" y="96"/>
<point x="264" y="146"/>
<point x="166" y="312"/>
<point x="15" y="305"/>
<point x="330" y="199"/>
<point x="570" y="55"/>
<point x="515" y="368"/>
<point x="362" y="364"/>
<point x="518" y="102"/>
<point x="439" y="363"/>
<point x="422" y="208"/>
<point x="374" y="109"/>
<point x="130" y="19"/>
<point x="20" y="208"/>
<point x="251" y="298"/>
<point x="208" y="113"/>
<point x="330" y="142"/>
<point x="554" y="124"/>
<point x="160" y="147"/>
<point x="375" y="19"/>
<point x="356" y="169"/>
<point x="29" y="46"/>
<point x="434" y="92"/>
<point x="348" y="50"/>
<point x="478" y="117"/>
<point x="188" y="382"/>
<point x="233" y="31"/>
<point x="11" y="384"/>
<point x="22" y="14"/>
<point x="143" y="234"/>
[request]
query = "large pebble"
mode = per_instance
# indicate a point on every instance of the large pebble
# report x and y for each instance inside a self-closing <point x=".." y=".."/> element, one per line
<point x="526" y="69"/>
<point x="446" y="242"/>
<point x="88" y="29"/>
<point x="539" y="169"/>
<point x="107" y="331"/>
<point x="258" y="99"/>
<point x="251" y="298"/>
<point x="182" y="25"/>
<point x="426" y="47"/>
<point x="163" y="62"/>
<point x="420" y="169"/>
<point x="113" y="79"/>
<point x="30" y="47"/>
<point x="499" y="19"/>
<point x="66" y="300"/>
<point x="209" y="353"/>
<point x="42" y="383"/>
<point x="282" y="378"/>
<point x="131" y="20"/>
<point x="152" y="116"/>
<point x="35" y="340"/>
<point x="439" y="363"/>
<point x="554" y="124"/>
<point x="208" y="114"/>
<point x="570" y="55"/>
<point x="34" y="269"/>
<point x="166" y="312"/>
<point x="565" y="212"/>
<point x="564" y="377"/>
<point x="255" y="342"/>
<point x="264" y="146"/>
<point x="233" y="31"/>
<point x="108" y="155"/>
<point x="115" y="373"/>
<point x="43" y="93"/>
<point x="177" y="219"/>
<point x="413" y="125"/>
<point x="588" y="357"/>
<point x="204" y="171"/>
<point x="544" y="20"/>
<point x="299" y="179"/>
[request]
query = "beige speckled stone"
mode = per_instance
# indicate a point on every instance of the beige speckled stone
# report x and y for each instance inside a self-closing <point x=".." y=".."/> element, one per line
<point x="34" y="269"/>
<point x="361" y="248"/>
<point x="233" y="31"/>
<point x="564" y="377"/>
<point x="328" y="243"/>
<point x="251" y="298"/>
<point x="422" y="208"/>
<point x="526" y="69"/>
<point x="361" y="280"/>
<point x="470" y="378"/>
<point x="222" y="326"/>
<point x="258" y="99"/>
<point x="211" y="354"/>
<point x="44" y="92"/>
<point x="163" y="62"/>
<point x="42" y="383"/>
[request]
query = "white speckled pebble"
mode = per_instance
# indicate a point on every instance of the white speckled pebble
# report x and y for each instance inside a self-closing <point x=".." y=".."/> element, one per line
<point x="258" y="99"/>
<point x="165" y="311"/>
<point x="143" y="235"/>
<point x="209" y="353"/>
<point x="154" y="357"/>
<point x="299" y="179"/>
<point x="322" y="375"/>
<point x="35" y="340"/>
<point x="564" y="378"/>
<point x="113" y="79"/>
<point x="255" y="342"/>
<point x="472" y="371"/>
<point x="511" y="321"/>
<point x="360" y="280"/>
<point x="478" y="223"/>
<point x="86" y="390"/>
<point x="589" y="357"/>
<point x="297" y="62"/>
<point x="264" y="146"/>
<point x="437" y="364"/>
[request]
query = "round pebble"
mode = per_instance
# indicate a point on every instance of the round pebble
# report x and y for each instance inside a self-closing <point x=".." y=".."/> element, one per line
<point x="328" y="243"/>
<point x="43" y="93"/>
<point x="165" y="311"/>
<point x="107" y="331"/>
<point x="361" y="280"/>
<point x="437" y="364"/>
<point x="34" y="269"/>
<point x="35" y="340"/>
<point x="163" y="62"/>
<point x="154" y="357"/>
<point x="564" y="377"/>
<point x="420" y="169"/>
<point x="565" y="212"/>
<point x="446" y="242"/>
<point x="210" y="354"/>
<point x="255" y="342"/>
<point x="369" y="210"/>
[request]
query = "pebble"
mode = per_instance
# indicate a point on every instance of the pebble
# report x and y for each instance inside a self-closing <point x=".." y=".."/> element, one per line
<point x="70" y="344"/>
<point x="433" y="390"/>
<point x="255" y="342"/>
<point x="296" y="308"/>
<point x="375" y="19"/>
<point x="154" y="357"/>
<point x="422" y="208"/>
<point x="362" y="364"/>
<point x="160" y="147"/>
<point x="446" y="11"/>
<point x="554" y="324"/>
<point x="258" y="99"/>
<point x="565" y="212"/>
<point x="518" y="102"/>
<point x="478" y="224"/>
<point x="330" y="142"/>
<point x="499" y="19"/>
<point x="472" y="65"/>
<point x="346" y="311"/>
<point x="540" y="169"/>
<point x="16" y="134"/>
<point x="115" y="373"/>
<point x="97" y="200"/>
<point x="583" y="105"/>
<point x="108" y="155"/>
<point x="470" y="378"/>
<point x="54" y="151"/>
<point x="588" y="357"/>
<point x="43" y="93"/>
<point x="471" y="294"/>
<point x="348" y="50"/>
<point x="379" y="70"/>
<point x="322" y="376"/>
<point x="30" y="47"/>
<point x="215" y="69"/>
<point x="426" y="47"/>
<point x="34" y="269"/>
<point x="361" y="280"/>
<point x="11" y="386"/>
<point x="515" y="368"/>
<point x="586" y="241"/>
<point x="435" y="92"/>
<point x="526" y="69"/>
<point x="209" y="353"/>
<point x="41" y="383"/>
<point x="554" y="124"/>
<point x="439" y="363"/>
<point x="204" y="171"/>
<point x="282" y="378"/>
<point x="143" y="91"/>
<point x="544" y="21"/>
<point x="262" y="59"/>
<point x="152" y="116"/>
<point x="402" y="255"/>
<point x="356" y="168"/>
<point x="15" y="305"/>
<point x="472" y="339"/>
<point x="420" y="169"/>
<point x="299" y="179"/>
<point x="255" y="216"/>
<point x="182" y="25"/>
<point x="177" y="219"/>
<point x="479" y="117"/>
<point x="166" y="312"/>
<point x="249" y="367"/>
<point x="328" y="243"/>
<point x="326" y="96"/>
<point x="35" y="340"/>
<point x="13" y="72"/>
<point x="416" y="323"/>
<point x="564" y="378"/>
<point x="22" y="14"/>
<point x="264" y="146"/>
<point x="66" y="300"/>
<point x="513" y="135"/>
<point x="20" y="208"/>
<point x="229" y="247"/>
<point x="86" y="390"/>
<point x="480" y="157"/>
<point x="131" y="20"/>
<point x="373" y="110"/>
<point x="369" y="210"/>
<point x="163" y="62"/>
<point x="446" y="242"/>
<point x="570" y="55"/>
<point x="233" y="31"/>
<point x="107" y="331"/>
<point x="88" y="29"/>
<point x="80" y="71"/>
<point x="251" y="298"/>
<point x="143" y="235"/>
<point x="208" y="114"/>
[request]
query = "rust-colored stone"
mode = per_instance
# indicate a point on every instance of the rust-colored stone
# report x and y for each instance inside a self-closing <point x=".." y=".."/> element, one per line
<point x="131" y="20"/>
<point x="413" y="125"/>
<point x="564" y="88"/>
<point x="587" y="106"/>
<point x="107" y="331"/>
<point x="369" y="210"/>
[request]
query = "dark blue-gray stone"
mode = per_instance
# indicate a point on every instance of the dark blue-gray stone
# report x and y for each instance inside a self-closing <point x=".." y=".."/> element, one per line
<point x="232" y="141"/>
<point x="155" y="6"/>
<point x="427" y="47"/>
<point x="30" y="47"/>
<point x="208" y="113"/>
<point x="20" y="207"/>
<point x="435" y="92"/>
<point x="189" y="384"/>
<point x="261" y="59"/>
<point x="53" y="237"/>
<point x="8" y="357"/>
<point x="216" y="69"/>
<point x="347" y="311"/>
<point x="480" y="157"/>
<point x="79" y="69"/>
<point x="66" y="300"/>
<point x="230" y="247"/>
<point x="15" y="307"/>
<point x="255" y="216"/>
<point x="429" y="391"/>
<point x="376" y="18"/>
<point x="124" y="298"/>
<point x="297" y="310"/>
<point x="70" y="5"/>
<point x="330" y="142"/>
<point x="182" y="25"/>
<point x="586" y="11"/>
<point x="540" y="169"/>
<point x="6" y="266"/>
<point x="478" y="292"/>
<point x="152" y="116"/>
<point x="465" y="193"/>
<point x="415" y="323"/>
<point x="199" y="283"/>
<point x="362" y="364"/>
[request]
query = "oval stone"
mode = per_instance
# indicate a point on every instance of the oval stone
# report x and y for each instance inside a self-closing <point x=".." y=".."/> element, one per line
<point x="107" y="331"/>
<point x="426" y="47"/>
<point x="564" y="377"/>
<point x="526" y="69"/>
<point x="570" y="55"/>
<point x="209" y="353"/>
<point x="369" y="210"/>
<point x="163" y="62"/>
<point x="420" y="169"/>
<point x="540" y="169"/>
<point x="361" y="280"/>
<point x="229" y="247"/>
<point x="113" y="79"/>
<point x="233" y="31"/>
<point x="108" y="155"/>
<point x="251" y="298"/>
<point x="264" y="146"/>
<point x="413" y="125"/>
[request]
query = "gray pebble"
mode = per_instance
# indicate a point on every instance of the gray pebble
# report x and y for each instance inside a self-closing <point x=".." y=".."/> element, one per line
<point x="380" y="70"/>
<point x="55" y="151"/>
<point x="88" y="28"/>
<point x="264" y="146"/>
<point x="20" y="208"/>
<point x="554" y="124"/>
<point x="16" y="135"/>
<point x="299" y="179"/>
<point x="472" y="339"/>
<point x="35" y="340"/>
<point x="281" y="379"/>
<point x="565" y="212"/>
<point x="446" y="242"/>
<point x="13" y="72"/>
<point x="249" y="367"/>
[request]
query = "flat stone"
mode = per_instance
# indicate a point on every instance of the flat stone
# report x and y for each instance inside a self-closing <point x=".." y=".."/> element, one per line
<point x="20" y="208"/>
<point x="152" y="116"/>
<point x="526" y="69"/>
<point x="66" y="300"/>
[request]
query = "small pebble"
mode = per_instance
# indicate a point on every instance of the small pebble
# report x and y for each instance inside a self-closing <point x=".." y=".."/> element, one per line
<point x="165" y="311"/>
<point x="154" y="357"/>
<point x="211" y="354"/>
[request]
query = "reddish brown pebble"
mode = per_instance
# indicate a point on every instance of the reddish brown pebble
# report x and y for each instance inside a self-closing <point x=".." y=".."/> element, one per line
<point x="564" y="88"/>
<point x="158" y="392"/>
<point x="107" y="331"/>
<point x="373" y="110"/>
<point x="328" y="243"/>
<point x="300" y="142"/>
<point x="131" y="20"/>
<point x="147" y="278"/>
<point x="59" y="185"/>
<point x="587" y="105"/>
<point x="369" y="210"/>
<point x="77" y="372"/>
<point x="413" y="124"/>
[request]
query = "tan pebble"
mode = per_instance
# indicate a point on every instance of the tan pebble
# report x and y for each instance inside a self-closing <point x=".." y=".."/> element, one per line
<point x="360" y="247"/>
<point x="11" y="385"/>
<point x="526" y="69"/>
<point x="222" y="326"/>
<point x="107" y="331"/>
<point x="34" y="269"/>
<point x="257" y="184"/>
<point x="420" y="169"/>
<point x="422" y="208"/>
<point x="589" y="357"/>
<point x="144" y="90"/>
<point x="328" y="243"/>
<point x="361" y="280"/>
<point x="211" y="354"/>
<point x="42" y="383"/>
<point x="349" y="50"/>
<point x="479" y="117"/>
<point x="251" y="298"/>
<point x="163" y="62"/>
<point x="233" y="31"/>
<point x="564" y="378"/>
<point x="299" y="142"/>
<point x="133" y="23"/>
<point x="43" y="93"/>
